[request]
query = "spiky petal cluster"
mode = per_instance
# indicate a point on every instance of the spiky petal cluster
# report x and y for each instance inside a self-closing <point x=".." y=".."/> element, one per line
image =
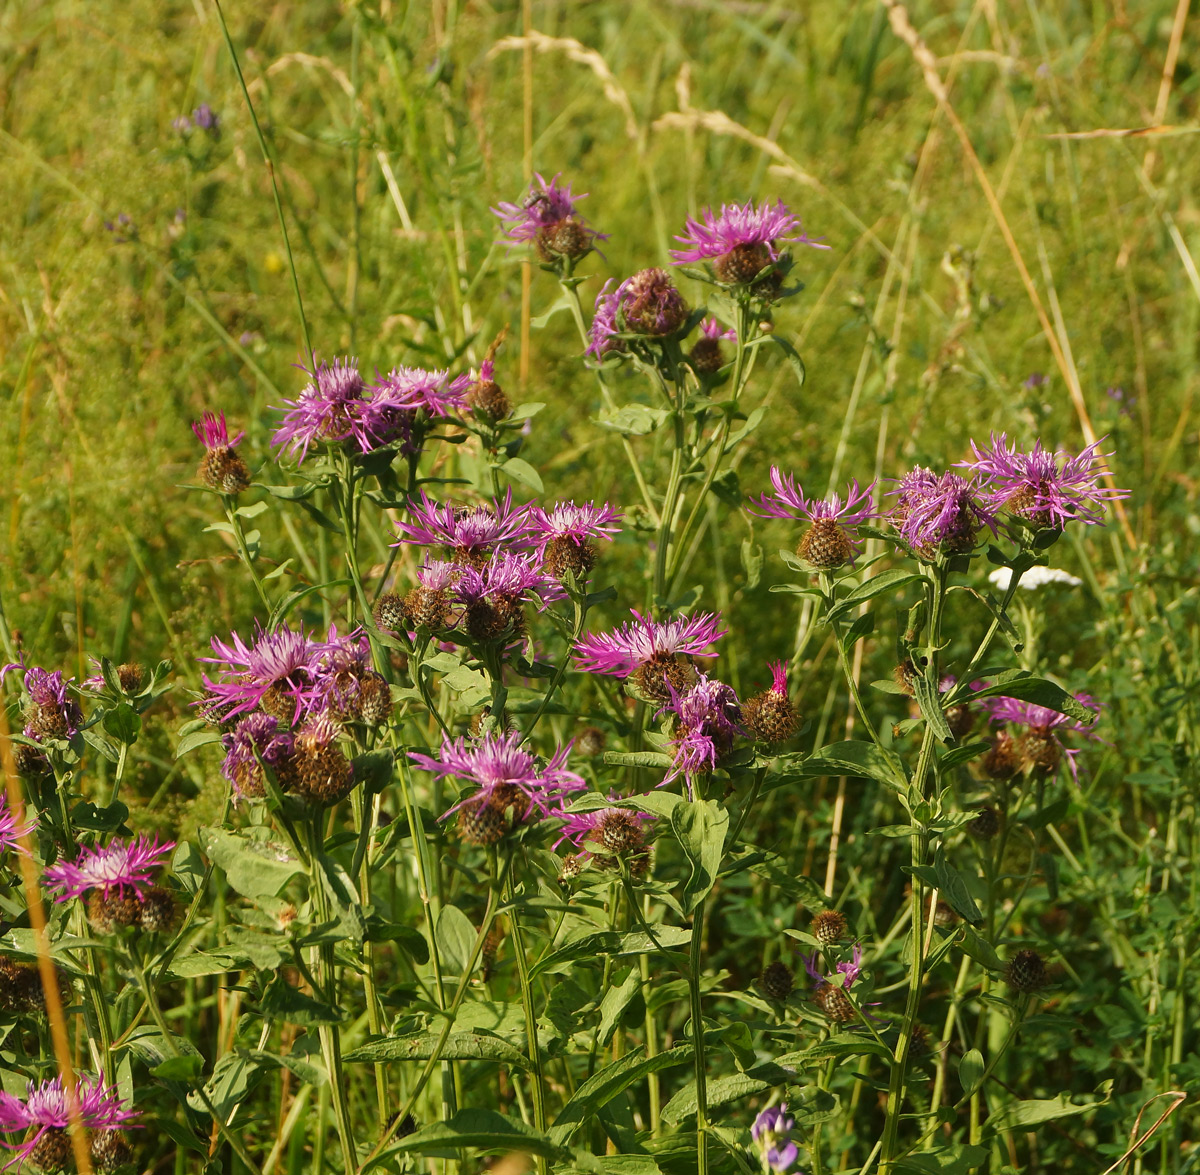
<point x="468" y="532"/>
<point x="563" y="534"/>
<point x="13" y="831"/>
<point x="602" y="336"/>
<point x="496" y="763"/>
<point x="604" y="830"/>
<point x="256" y="737"/>
<point x="119" y="866"/>
<point x="645" y="304"/>
<point x="718" y="233"/>
<point x="941" y="513"/>
<point x="512" y="576"/>
<point x="395" y="400"/>
<point x="47" y="1107"/>
<point x="1049" y="489"/>
<point x="276" y="667"/>
<point x="329" y="408"/>
<point x="844" y="975"/>
<point x="1040" y="747"/>
<point x="790" y="501"/>
<point x="710" y="328"/>
<point x="772" y="1133"/>
<point x="1014" y="712"/>
<point x="52" y="712"/>
<point x="213" y="433"/>
<point x="632" y="645"/>
<point x="548" y="219"/>
<point x="706" y="717"/>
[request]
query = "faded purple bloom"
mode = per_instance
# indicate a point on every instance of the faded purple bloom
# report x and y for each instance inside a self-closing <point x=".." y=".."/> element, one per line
<point x="772" y="1133"/>
<point x="12" y="831"/>
<point x="633" y="645"/>
<point x="275" y="673"/>
<point x="1041" y="744"/>
<point x="604" y="329"/>
<point x="212" y="432"/>
<point x="47" y="1107"/>
<point x="548" y="219"/>
<point x="566" y="521"/>
<point x="182" y="124"/>
<point x="707" y="716"/>
<point x="255" y="737"/>
<point x="204" y="117"/>
<point x="497" y="764"/>
<point x="1049" y="489"/>
<point x="914" y="485"/>
<point x="513" y="577"/>
<point x="945" y="513"/>
<point x="712" y="329"/>
<point x="339" y="665"/>
<point x="789" y="501"/>
<point x="52" y="712"/>
<point x="1035" y="380"/>
<point x="470" y="532"/>
<point x="741" y="240"/>
<point x="397" y="397"/>
<point x="118" y="866"/>
<point x="330" y="408"/>
<point x="586" y="830"/>
<point x="849" y="972"/>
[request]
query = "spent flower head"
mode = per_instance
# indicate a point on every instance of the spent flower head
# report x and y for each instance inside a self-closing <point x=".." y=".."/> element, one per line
<point x="119" y="866"/>
<point x="256" y="739"/>
<point x="1046" y="488"/>
<point x="705" y="719"/>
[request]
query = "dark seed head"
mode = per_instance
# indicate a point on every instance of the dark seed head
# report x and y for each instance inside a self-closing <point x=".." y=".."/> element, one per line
<point x="651" y="679"/>
<point x="374" y="699"/>
<point x="777" y="981"/>
<point x="620" y="832"/>
<point x="652" y="305"/>
<point x="568" y="238"/>
<point x="424" y="608"/>
<point x="390" y="612"/>
<point x="571" y="868"/>
<point x="905" y="675"/>
<point x="159" y="910"/>
<point x="960" y="720"/>
<point x="130" y="676"/>
<point x="1002" y="761"/>
<point x="1026" y="971"/>
<point x="565" y="554"/>
<point x="826" y="545"/>
<point x="318" y="771"/>
<point x="832" y="999"/>
<point x="1041" y="751"/>
<point x="111" y="1150"/>
<point x="31" y="763"/>
<point x="706" y="356"/>
<point x="986" y="823"/>
<point x="53" y="1152"/>
<point x="770" y="717"/>
<point x="488" y="398"/>
<point x="828" y="927"/>
<point x="481" y="824"/>
<point x="224" y="471"/>
<point x="106" y="912"/>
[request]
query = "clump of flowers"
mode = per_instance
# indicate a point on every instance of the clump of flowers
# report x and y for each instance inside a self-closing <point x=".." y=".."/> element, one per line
<point x="831" y="540"/>
<point x="741" y="240"/>
<point x="222" y="469"/>
<point x="564" y="535"/>
<point x="45" y="1114"/>
<point x="117" y="880"/>
<point x="651" y="655"/>
<point x="509" y="786"/>
<point x="1046" y="489"/>
<point x="549" y="220"/>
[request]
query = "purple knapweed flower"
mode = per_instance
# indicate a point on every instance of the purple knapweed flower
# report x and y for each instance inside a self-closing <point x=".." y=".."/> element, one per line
<point x="710" y="328"/>
<point x="831" y="540"/>
<point x="116" y="867"/>
<point x="328" y="409"/>
<point x="772" y="1133"/>
<point x="205" y="118"/>
<point x="257" y="737"/>
<point x="470" y="533"/>
<point x="633" y="645"/>
<point x="604" y="331"/>
<point x="213" y="433"/>
<point x="645" y="304"/>
<point x="1041" y="729"/>
<point x="1035" y="380"/>
<point x="844" y="975"/>
<point x="515" y="577"/>
<point x="548" y="219"/>
<point x="941" y="513"/>
<point x="396" y="398"/>
<point x="274" y="673"/>
<point x="604" y="830"/>
<point x="563" y="534"/>
<point x="498" y="765"/>
<point x="12" y="831"/>
<point x="47" y="1107"/>
<point x="52" y="712"/>
<point x="1048" y="489"/>
<point x="740" y="240"/>
<point x="705" y="719"/>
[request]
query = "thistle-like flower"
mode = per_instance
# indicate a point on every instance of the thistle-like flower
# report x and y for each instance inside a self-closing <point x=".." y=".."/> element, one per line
<point x="13" y="831"/>
<point x="485" y="396"/>
<point x="605" y="832"/>
<point x="829" y="991"/>
<point x="1040" y="746"/>
<point x="941" y="513"/>
<point x="831" y="541"/>
<point x="121" y="867"/>
<point x="330" y="408"/>
<point x="222" y="469"/>
<point x="651" y="653"/>
<point x="1047" y="489"/>
<point x="740" y="240"/>
<point x="604" y="331"/>
<point x="563" y="535"/>
<point x="548" y="220"/>
<point x="255" y="740"/>
<point x="770" y="716"/>
<point x="46" y="1112"/>
<point x="274" y="673"/>
<point x="318" y="771"/>
<point x="345" y="684"/>
<point x="52" y="713"/>
<point x="495" y="593"/>
<point x="499" y="766"/>
<point x="772" y="1134"/>
<point x="469" y="533"/>
<point x="645" y="304"/>
<point x="397" y="398"/>
<point x="706" y="356"/>
<point x="705" y="719"/>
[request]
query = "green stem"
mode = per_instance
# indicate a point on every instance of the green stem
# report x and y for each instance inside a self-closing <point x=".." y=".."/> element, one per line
<point x="697" y="1014"/>
<point x="538" y="1081"/>
<point x="239" y="536"/>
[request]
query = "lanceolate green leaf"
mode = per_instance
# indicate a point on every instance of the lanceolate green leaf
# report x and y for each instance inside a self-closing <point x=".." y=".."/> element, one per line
<point x="459" y="1046"/>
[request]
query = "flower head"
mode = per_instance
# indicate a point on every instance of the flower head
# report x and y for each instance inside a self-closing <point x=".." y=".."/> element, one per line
<point x="844" y="975"/>
<point x="1047" y="489"/>
<point x="741" y="239"/>
<point x="256" y="737"/>
<point x="205" y="117"/>
<point x="706" y="717"/>
<point x="468" y="532"/>
<point x="397" y="397"/>
<point x="712" y="329"/>
<point x="328" y="409"/>
<point x="13" y="831"/>
<point x="604" y="831"/>
<point x="118" y="866"/>
<point x="47" y="1107"/>
<point x="770" y="716"/>
<point x="563" y="534"/>
<point x="273" y="673"/>
<point x="772" y="1133"/>
<point x="548" y="219"/>
<point x="941" y="512"/>
<point x="604" y="329"/>
<point x="645" y="304"/>
<point x="52" y="713"/>
<point x="1014" y="712"/>
<point x="222" y="469"/>
<point x="633" y="645"/>
<point x="496" y="763"/>
<point x="1040" y="747"/>
<point x="831" y="540"/>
